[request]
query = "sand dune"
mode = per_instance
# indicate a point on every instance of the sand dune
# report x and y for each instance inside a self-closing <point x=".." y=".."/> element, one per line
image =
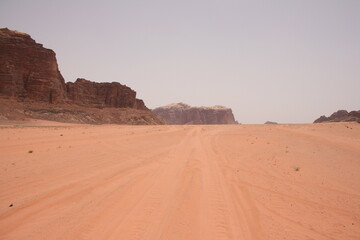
<point x="180" y="182"/>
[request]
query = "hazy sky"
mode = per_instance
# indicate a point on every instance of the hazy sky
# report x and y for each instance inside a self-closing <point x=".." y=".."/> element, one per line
<point x="279" y="60"/>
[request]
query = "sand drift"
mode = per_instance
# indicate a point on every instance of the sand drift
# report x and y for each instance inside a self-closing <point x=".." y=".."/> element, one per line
<point x="180" y="182"/>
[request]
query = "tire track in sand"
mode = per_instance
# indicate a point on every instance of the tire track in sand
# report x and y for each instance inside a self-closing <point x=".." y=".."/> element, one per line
<point x="230" y="214"/>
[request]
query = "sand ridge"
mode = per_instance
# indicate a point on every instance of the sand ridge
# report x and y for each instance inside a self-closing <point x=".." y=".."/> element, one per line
<point x="180" y="182"/>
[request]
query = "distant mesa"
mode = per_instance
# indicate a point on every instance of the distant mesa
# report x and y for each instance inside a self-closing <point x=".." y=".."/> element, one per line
<point x="29" y="74"/>
<point x="341" y="116"/>
<point x="269" y="122"/>
<point x="181" y="113"/>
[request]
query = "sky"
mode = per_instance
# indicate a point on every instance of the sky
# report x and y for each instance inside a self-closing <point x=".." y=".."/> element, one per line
<point x="288" y="61"/>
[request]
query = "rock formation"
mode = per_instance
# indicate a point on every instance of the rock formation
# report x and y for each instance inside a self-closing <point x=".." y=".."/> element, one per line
<point x="270" y="122"/>
<point x="28" y="70"/>
<point x="12" y="111"/>
<point x="86" y="93"/>
<point x="341" y="116"/>
<point x="181" y="113"/>
<point x="29" y="73"/>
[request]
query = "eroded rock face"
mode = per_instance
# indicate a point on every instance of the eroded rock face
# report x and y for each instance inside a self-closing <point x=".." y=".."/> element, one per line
<point x="28" y="70"/>
<point x="29" y="74"/>
<point x="340" y="116"/>
<point x="181" y="113"/>
<point x="91" y="94"/>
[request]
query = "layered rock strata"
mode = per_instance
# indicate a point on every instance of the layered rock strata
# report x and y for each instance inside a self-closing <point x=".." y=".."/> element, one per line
<point x="86" y="93"/>
<point x="28" y="70"/>
<point x="181" y="113"/>
<point x="29" y="73"/>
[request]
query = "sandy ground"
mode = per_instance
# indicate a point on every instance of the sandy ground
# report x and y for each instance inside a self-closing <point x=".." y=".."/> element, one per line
<point x="180" y="182"/>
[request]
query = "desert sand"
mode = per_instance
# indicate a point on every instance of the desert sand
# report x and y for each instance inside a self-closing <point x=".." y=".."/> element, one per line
<point x="180" y="182"/>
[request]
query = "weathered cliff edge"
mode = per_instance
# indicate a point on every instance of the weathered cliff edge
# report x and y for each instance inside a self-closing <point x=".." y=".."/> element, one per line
<point x="29" y="74"/>
<point x="340" y="116"/>
<point x="181" y="113"/>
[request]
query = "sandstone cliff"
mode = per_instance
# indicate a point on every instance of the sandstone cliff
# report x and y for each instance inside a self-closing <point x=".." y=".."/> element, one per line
<point x="29" y="74"/>
<point x="28" y="70"/>
<point x="86" y="93"/>
<point x="341" y="116"/>
<point x="181" y="113"/>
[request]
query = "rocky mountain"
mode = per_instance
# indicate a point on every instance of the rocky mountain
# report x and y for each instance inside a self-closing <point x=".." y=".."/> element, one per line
<point x="341" y="116"/>
<point x="181" y="113"/>
<point x="29" y="73"/>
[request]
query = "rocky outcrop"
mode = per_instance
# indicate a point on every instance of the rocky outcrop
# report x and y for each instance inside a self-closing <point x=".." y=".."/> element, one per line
<point x="181" y="113"/>
<point x="86" y="93"/>
<point x="28" y="70"/>
<point x="340" y="116"/>
<point x="29" y="73"/>
<point x="12" y="111"/>
<point x="270" y="122"/>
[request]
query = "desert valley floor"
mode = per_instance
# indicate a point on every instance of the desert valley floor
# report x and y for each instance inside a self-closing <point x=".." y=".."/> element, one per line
<point x="180" y="182"/>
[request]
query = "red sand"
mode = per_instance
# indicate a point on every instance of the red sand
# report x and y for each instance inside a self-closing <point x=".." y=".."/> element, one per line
<point x="180" y="182"/>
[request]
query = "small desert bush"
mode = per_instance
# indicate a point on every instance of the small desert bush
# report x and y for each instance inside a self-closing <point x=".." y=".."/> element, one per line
<point x="296" y="169"/>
